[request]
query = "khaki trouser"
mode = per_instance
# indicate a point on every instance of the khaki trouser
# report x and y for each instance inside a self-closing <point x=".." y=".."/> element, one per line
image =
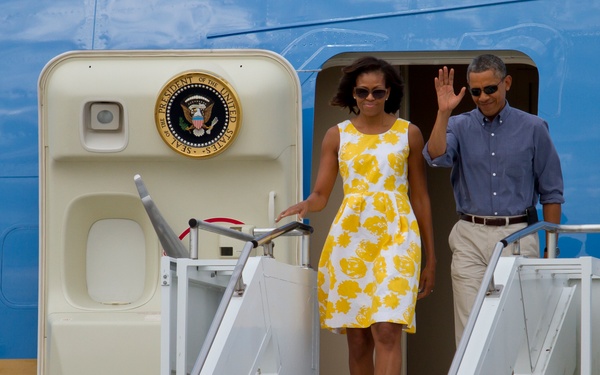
<point x="472" y="246"/>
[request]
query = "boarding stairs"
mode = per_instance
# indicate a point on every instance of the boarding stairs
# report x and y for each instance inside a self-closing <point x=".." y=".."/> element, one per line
<point x="253" y="315"/>
<point x="534" y="316"/>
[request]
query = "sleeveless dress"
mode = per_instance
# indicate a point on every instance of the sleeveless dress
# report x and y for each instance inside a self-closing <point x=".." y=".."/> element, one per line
<point x="370" y="265"/>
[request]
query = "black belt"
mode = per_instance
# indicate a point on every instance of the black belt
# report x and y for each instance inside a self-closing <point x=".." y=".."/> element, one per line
<point x="495" y="221"/>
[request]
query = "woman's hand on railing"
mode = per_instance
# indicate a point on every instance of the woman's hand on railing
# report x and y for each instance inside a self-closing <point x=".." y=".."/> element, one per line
<point x="300" y="209"/>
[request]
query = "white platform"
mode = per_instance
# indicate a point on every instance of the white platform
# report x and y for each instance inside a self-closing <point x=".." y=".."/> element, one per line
<point x="272" y="328"/>
<point x="543" y="321"/>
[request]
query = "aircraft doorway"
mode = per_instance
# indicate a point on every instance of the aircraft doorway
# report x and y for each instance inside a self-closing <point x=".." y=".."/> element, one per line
<point x="431" y="349"/>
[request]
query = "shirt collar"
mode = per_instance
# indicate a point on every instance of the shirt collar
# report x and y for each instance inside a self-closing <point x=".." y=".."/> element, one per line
<point x="500" y="117"/>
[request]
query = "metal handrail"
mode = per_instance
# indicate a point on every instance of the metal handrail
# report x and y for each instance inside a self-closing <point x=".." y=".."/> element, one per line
<point x="487" y="284"/>
<point x="168" y="239"/>
<point x="262" y="235"/>
<point x="219" y="229"/>
<point x="232" y="285"/>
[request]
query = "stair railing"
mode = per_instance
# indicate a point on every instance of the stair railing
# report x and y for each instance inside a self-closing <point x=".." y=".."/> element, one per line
<point x="489" y="287"/>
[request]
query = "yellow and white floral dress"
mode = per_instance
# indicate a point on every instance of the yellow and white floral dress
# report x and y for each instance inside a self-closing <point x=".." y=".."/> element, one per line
<point x="370" y="264"/>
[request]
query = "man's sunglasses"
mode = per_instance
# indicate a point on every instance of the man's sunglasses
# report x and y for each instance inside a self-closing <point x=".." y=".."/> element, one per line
<point x="364" y="93"/>
<point x="489" y="90"/>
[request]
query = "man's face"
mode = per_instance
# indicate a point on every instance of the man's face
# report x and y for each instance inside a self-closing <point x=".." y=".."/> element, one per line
<point x="481" y="86"/>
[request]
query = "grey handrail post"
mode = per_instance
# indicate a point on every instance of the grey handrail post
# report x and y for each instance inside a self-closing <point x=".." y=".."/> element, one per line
<point x="551" y="243"/>
<point x="268" y="249"/>
<point x="492" y="265"/>
<point x="305" y="252"/>
<point x="517" y="248"/>
<point x="194" y="242"/>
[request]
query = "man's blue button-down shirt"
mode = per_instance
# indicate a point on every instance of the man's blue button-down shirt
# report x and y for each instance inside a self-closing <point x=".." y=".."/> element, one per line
<point x="501" y="167"/>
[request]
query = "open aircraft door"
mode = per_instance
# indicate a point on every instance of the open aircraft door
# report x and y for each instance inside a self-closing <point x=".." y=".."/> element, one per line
<point x="215" y="134"/>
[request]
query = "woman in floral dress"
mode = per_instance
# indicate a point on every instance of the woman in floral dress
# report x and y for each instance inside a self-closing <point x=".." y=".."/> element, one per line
<point x="369" y="274"/>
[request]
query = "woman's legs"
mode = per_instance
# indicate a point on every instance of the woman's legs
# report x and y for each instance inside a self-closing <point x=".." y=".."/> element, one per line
<point x="388" y="348"/>
<point x="360" y="351"/>
<point x="383" y="339"/>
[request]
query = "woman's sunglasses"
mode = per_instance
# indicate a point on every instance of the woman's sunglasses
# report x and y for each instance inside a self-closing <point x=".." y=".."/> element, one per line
<point x="489" y="90"/>
<point x="364" y="93"/>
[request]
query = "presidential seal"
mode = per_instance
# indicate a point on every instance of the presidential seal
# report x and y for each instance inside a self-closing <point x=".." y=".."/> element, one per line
<point x="198" y="114"/>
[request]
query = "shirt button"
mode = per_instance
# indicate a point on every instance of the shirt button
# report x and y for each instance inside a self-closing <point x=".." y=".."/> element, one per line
<point x="493" y="154"/>
<point x="495" y="213"/>
<point x="493" y="134"/>
<point x="494" y="193"/>
<point x="493" y="174"/>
